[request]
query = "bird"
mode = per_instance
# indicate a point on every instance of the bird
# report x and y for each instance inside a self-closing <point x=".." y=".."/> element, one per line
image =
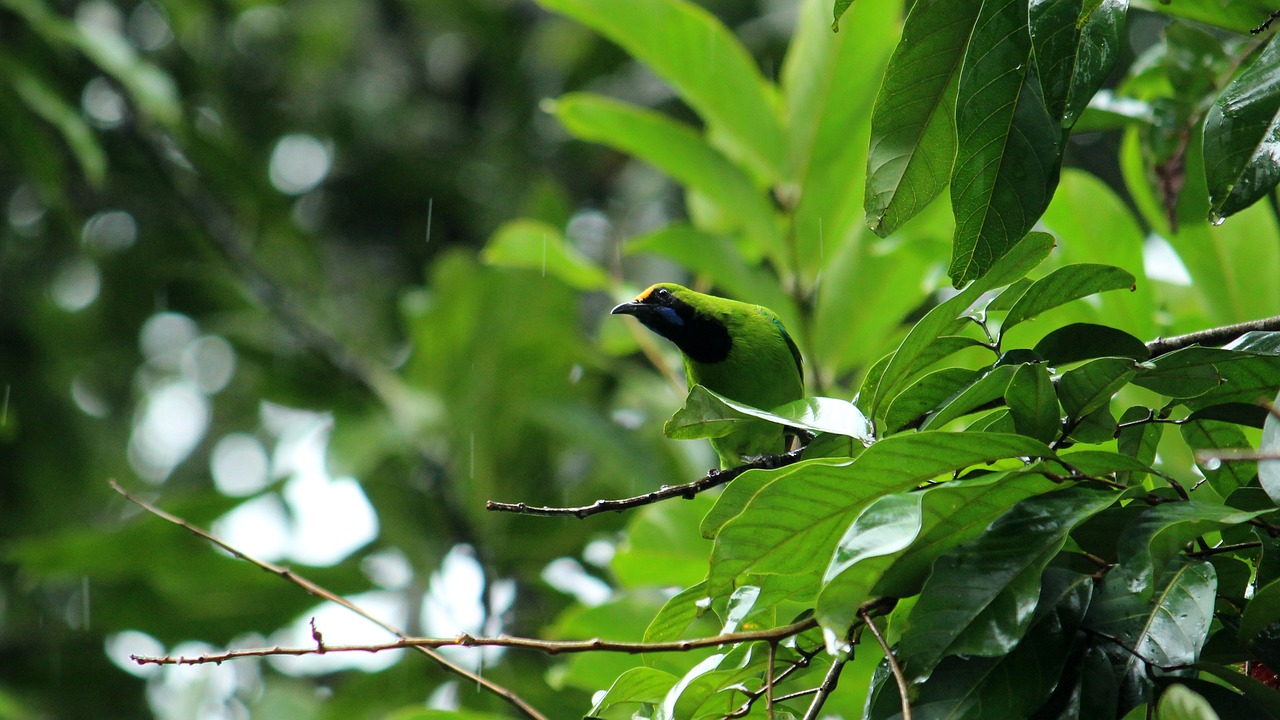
<point x="736" y="349"/>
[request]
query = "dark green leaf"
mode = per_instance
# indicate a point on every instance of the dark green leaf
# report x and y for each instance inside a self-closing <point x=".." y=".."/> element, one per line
<point x="1096" y="427"/>
<point x="1090" y="386"/>
<point x="792" y="524"/>
<point x="1242" y="136"/>
<point x="1166" y="620"/>
<point x="1160" y="533"/>
<point x="1239" y="413"/>
<point x="1009" y="148"/>
<point x="913" y="125"/>
<point x="1085" y="341"/>
<point x="1223" y="476"/>
<point x="1064" y="285"/>
<point x="925" y="395"/>
<point x="1076" y="45"/>
<point x="1011" y="686"/>
<point x="1264" y="696"/>
<point x="1033" y="404"/>
<point x="907" y="359"/>
<point x="980" y="597"/>
<point x="986" y="389"/>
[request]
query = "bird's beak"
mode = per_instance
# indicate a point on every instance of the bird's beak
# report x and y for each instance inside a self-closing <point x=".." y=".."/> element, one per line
<point x="629" y="308"/>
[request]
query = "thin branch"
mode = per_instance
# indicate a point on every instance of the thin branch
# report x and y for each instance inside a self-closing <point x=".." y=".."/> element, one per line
<point x="1211" y="337"/>
<point x="685" y="490"/>
<point x="313" y="589"/>
<point x="896" y="669"/>
<point x="1221" y="549"/>
<point x="806" y="657"/>
<point x="1263" y="27"/>
<point x="829" y="683"/>
<point x="550" y="647"/>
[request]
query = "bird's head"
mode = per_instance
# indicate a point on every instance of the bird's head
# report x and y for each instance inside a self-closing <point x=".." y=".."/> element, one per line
<point x="684" y="317"/>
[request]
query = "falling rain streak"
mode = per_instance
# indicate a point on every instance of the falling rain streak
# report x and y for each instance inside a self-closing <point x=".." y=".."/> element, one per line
<point x="4" y="411"/>
<point x="430" y="205"/>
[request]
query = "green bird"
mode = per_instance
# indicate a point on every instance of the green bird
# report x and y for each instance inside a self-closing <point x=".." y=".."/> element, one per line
<point x="736" y="349"/>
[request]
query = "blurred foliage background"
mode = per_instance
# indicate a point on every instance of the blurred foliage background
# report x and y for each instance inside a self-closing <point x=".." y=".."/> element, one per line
<point x="241" y="271"/>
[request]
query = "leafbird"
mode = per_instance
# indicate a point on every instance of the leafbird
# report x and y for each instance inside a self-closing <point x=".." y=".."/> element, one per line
<point x="736" y="349"/>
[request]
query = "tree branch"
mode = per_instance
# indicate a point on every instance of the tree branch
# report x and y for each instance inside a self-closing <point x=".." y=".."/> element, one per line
<point x="1211" y="337"/>
<point x="896" y="669"/>
<point x="550" y="647"/>
<point x="313" y="589"/>
<point x="685" y="490"/>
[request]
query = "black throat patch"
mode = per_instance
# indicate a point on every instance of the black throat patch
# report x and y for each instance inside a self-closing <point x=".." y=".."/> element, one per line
<point x="702" y="338"/>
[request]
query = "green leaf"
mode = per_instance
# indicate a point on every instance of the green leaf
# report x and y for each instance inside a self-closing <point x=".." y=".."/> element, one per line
<point x="1166" y="623"/>
<point x="661" y="548"/>
<point x="1262" y="695"/>
<point x="677" y="150"/>
<point x="1242" y="136"/>
<point x="1009" y="149"/>
<point x="1076" y="46"/>
<point x="1090" y="386"/>
<point x="1269" y="470"/>
<point x="1064" y="285"/>
<point x="689" y="48"/>
<point x="1262" y="611"/>
<point x="988" y="388"/>
<point x="707" y="414"/>
<point x="1158" y="535"/>
<point x="892" y="545"/>
<point x="791" y="525"/>
<point x="980" y="597"/>
<point x="884" y="528"/>
<point x="537" y="245"/>
<point x="925" y="395"/>
<point x="907" y="359"/>
<point x="1011" y="686"/>
<point x="1180" y="703"/>
<point x="678" y="613"/>
<point x="637" y="685"/>
<point x="913" y="141"/>
<point x="1085" y="341"/>
<point x="1223" y="476"/>
<point x="1033" y="403"/>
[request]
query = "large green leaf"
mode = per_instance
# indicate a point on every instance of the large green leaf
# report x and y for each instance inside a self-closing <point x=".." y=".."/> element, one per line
<point x="1009" y="150"/>
<point x="1223" y="477"/>
<point x="1085" y="341"/>
<point x="913" y="142"/>
<point x="980" y="597"/>
<point x="1242" y="136"/>
<point x="1090" y="386"/>
<point x="1064" y="285"/>
<point x="1180" y="703"/>
<point x="925" y="395"/>
<point x="1165" y="621"/>
<point x="677" y="150"/>
<point x="1033" y="403"/>
<point x="637" y="685"/>
<point x="792" y="524"/>
<point x="907" y="359"/>
<point x="1076" y="45"/>
<point x="893" y="543"/>
<point x="1010" y="686"/>
<point x="689" y="48"/>
<point x="1269" y="469"/>
<point x="707" y="414"/>
<point x="1158" y="534"/>
<point x="989" y="387"/>
<point x="537" y="245"/>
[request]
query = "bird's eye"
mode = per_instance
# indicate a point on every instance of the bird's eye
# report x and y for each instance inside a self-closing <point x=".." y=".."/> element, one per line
<point x="663" y="294"/>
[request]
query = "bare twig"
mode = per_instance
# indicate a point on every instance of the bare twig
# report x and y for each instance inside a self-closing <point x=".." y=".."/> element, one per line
<point x="806" y="657"/>
<point x="1266" y="24"/>
<point x="550" y="647"/>
<point x="1211" y="337"/>
<point x="313" y="589"/>
<point x="829" y="683"/>
<point x="1221" y="549"/>
<point x="685" y="490"/>
<point x="896" y="669"/>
